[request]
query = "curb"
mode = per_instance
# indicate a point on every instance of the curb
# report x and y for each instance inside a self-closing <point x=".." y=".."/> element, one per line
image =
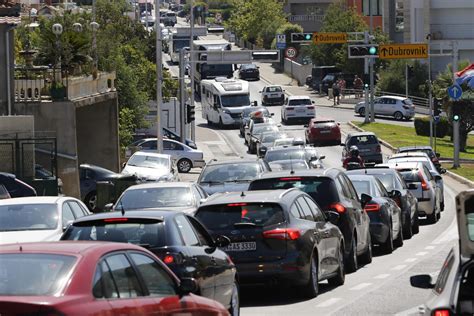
<point x="450" y="174"/>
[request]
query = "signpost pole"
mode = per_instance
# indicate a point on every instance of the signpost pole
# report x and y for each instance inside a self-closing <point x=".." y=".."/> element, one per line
<point x="406" y="79"/>
<point x="159" y="78"/>
<point x="371" y="64"/>
<point x="366" y="72"/>
<point x="191" y="73"/>
<point x="456" y="143"/>
<point x="182" y="97"/>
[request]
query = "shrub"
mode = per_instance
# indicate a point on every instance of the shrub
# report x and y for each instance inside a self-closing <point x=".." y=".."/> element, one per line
<point x="422" y="127"/>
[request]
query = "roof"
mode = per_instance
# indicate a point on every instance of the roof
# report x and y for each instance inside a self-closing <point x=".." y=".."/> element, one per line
<point x="298" y="97"/>
<point x="228" y="86"/>
<point x="229" y="162"/>
<point x="147" y="153"/>
<point x="66" y="247"/>
<point x="376" y="170"/>
<point x="393" y="97"/>
<point x="410" y="154"/>
<point x="404" y="164"/>
<point x="300" y="173"/>
<point x="360" y="134"/>
<point x="210" y="40"/>
<point x="365" y="177"/>
<point x="12" y="20"/>
<point x="259" y="196"/>
<point x="414" y="148"/>
<point x="32" y="200"/>
<point x="159" y="214"/>
<point x="161" y="185"/>
<point x="322" y="118"/>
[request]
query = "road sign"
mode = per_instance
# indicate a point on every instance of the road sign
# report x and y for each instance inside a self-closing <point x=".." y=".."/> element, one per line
<point x="280" y="41"/>
<point x="403" y="51"/>
<point x="291" y="52"/>
<point x="455" y="92"/>
<point x="329" y="38"/>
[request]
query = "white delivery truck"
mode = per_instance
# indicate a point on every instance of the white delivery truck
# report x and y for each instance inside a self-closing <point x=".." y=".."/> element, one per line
<point x="181" y="37"/>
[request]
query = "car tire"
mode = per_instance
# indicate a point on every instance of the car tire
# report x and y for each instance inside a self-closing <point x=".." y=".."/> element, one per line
<point x="399" y="241"/>
<point x="408" y="230"/>
<point x="432" y="218"/>
<point x="442" y="206"/>
<point x="366" y="257"/>
<point x="184" y="165"/>
<point x="234" y="309"/>
<point x="340" y="277"/>
<point x="351" y="259"/>
<point x="311" y="289"/>
<point x="387" y="246"/>
<point x="416" y="224"/>
<point x="91" y="201"/>
<point x="362" y="112"/>
<point x="398" y="116"/>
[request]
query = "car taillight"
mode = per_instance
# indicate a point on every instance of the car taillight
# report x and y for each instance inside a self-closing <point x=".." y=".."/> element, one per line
<point x="378" y="149"/>
<point x="289" y="108"/>
<point x="290" y="179"/>
<point x="441" y="312"/>
<point x="372" y="207"/>
<point x="282" y="234"/>
<point x="172" y="258"/>
<point x="337" y="207"/>
<point x="237" y="204"/>
<point x="424" y="184"/>
<point x="115" y="220"/>
<point x="310" y="107"/>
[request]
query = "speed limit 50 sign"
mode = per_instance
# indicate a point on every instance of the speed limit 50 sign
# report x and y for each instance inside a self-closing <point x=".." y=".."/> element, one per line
<point x="291" y="52"/>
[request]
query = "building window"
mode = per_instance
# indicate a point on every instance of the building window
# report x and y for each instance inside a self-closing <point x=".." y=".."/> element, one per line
<point x="399" y="17"/>
<point x="377" y="7"/>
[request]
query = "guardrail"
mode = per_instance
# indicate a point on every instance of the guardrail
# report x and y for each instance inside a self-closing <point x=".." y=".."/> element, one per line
<point x="417" y="101"/>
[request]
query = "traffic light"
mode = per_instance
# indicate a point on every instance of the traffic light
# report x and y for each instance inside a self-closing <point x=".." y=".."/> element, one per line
<point x="410" y="72"/>
<point x="437" y="107"/>
<point x="363" y="51"/>
<point x="190" y="113"/>
<point x="456" y="112"/>
<point x="301" y="37"/>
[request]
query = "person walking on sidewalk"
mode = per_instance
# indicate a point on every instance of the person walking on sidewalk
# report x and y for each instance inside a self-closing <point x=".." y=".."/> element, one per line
<point x="342" y="87"/>
<point x="336" y="91"/>
<point x="358" y="84"/>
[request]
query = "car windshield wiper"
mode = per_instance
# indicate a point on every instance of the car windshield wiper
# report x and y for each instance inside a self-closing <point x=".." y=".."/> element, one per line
<point x="239" y="180"/>
<point x="243" y="224"/>
<point x="212" y="182"/>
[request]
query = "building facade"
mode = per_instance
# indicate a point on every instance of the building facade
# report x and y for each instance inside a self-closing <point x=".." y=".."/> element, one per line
<point x="307" y="13"/>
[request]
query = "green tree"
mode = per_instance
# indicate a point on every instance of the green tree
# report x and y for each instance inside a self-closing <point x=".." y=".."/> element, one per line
<point x="392" y="78"/>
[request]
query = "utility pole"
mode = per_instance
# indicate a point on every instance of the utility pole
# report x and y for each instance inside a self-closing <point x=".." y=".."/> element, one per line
<point x="371" y="64"/>
<point x="456" y="123"/>
<point x="366" y="72"/>
<point x="159" y="78"/>
<point x="182" y="97"/>
<point x="430" y="90"/>
<point x="191" y="73"/>
<point x="406" y="79"/>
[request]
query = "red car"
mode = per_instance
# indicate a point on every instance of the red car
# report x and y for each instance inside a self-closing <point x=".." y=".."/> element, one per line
<point x="322" y="130"/>
<point x="93" y="278"/>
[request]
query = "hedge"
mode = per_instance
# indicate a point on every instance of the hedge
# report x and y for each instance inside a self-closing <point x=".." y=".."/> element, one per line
<point x="422" y="126"/>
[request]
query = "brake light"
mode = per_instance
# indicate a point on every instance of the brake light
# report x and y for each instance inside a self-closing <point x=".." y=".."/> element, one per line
<point x="442" y="312"/>
<point x="282" y="234"/>
<point x="378" y="149"/>
<point x="172" y="258"/>
<point x="338" y="207"/>
<point x="290" y="179"/>
<point x="168" y="259"/>
<point x="373" y="207"/>
<point x="289" y="108"/>
<point x="424" y="184"/>
<point x="237" y="204"/>
<point x="115" y="220"/>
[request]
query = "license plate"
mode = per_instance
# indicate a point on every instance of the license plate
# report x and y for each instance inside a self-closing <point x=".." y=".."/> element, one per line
<point x="364" y="150"/>
<point x="325" y="132"/>
<point x="300" y="110"/>
<point x="274" y="95"/>
<point x="241" y="246"/>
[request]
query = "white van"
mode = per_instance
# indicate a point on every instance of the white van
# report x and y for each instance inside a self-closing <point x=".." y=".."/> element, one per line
<point x="223" y="100"/>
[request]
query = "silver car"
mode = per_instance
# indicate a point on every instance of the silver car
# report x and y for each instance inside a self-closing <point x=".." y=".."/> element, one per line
<point x="398" y="107"/>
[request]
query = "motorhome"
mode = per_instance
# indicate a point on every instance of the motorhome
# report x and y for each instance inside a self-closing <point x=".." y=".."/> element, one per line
<point x="223" y="100"/>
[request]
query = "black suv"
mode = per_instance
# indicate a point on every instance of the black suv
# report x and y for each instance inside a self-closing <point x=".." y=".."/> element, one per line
<point x="278" y="235"/>
<point x="333" y="191"/>
<point x="392" y="180"/>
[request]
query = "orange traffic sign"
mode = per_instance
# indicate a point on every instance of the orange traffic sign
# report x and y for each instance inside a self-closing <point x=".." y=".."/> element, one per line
<point x="329" y="38"/>
<point x="403" y="51"/>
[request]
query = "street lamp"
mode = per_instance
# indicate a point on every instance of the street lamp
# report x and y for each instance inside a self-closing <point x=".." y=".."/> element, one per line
<point x="94" y="26"/>
<point x="57" y="30"/>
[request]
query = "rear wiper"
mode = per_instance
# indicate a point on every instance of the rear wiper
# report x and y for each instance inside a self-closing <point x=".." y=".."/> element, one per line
<point x="211" y="182"/>
<point x="239" y="180"/>
<point x="245" y="224"/>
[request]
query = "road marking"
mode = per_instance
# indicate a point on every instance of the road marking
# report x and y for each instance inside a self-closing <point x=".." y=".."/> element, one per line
<point x="360" y="286"/>
<point x="430" y="247"/>
<point x="422" y="253"/>
<point x="399" y="267"/>
<point x="329" y="302"/>
<point x="411" y="259"/>
<point x="382" y="276"/>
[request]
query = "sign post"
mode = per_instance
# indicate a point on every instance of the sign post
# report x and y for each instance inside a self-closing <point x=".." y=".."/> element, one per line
<point x="403" y="51"/>
<point x="280" y="41"/>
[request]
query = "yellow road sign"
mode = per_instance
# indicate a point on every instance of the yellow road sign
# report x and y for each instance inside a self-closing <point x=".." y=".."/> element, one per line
<point x="403" y="51"/>
<point x="329" y="38"/>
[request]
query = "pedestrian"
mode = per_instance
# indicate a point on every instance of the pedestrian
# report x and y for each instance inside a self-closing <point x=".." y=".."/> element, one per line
<point x="336" y="92"/>
<point x="342" y="86"/>
<point x="358" y="84"/>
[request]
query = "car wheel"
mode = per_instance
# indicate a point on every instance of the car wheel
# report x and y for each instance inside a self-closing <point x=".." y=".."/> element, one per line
<point x="408" y="230"/>
<point x="399" y="241"/>
<point x="184" y="165"/>
<point x="366" y="258"/>
<point x="432" y="218"/>
<point x="341" y="275"/>
<point x="311" y="289"/>
<point x="362" y="111"/>
<point x="234" y="309"/>
<point x="398" y="116"/>
<point x="351" y="259"/>
<point x="416" y="224"/>
<point x="91" y="201"/>
<point x="387" y="246"/>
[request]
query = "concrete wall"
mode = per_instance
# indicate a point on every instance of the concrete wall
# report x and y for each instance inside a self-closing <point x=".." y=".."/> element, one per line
<point x="97" y="133"/>
<point x="298" y="71"/>
<point x="4" y="79"/>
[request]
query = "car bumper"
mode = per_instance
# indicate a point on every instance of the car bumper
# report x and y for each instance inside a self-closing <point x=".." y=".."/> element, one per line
<point x="425" y="207"/>
<point x="300" y="115"/>
<point x="199" y="163"/>
<point x="379" y="226"/>
<point x="331" y="137"/>
<point x="278" y="101"/>
<point x="377" y="158"/>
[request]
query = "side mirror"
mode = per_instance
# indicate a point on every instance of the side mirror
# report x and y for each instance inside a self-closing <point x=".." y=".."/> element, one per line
<point x="272" y="114"/>
<point x="221" y="241"/>
<point x="108" y="207"/>
<point x="321" y="157"/>
<point x="412" y="186"/>
<point x="395" y="194"/>
<point x="333" y="217"/>
<point x="187" y="285"/>
<point x="422" y="281"/>
<point x="312" y="102"/>
<point x="437" y="177"/>
<point x="364" y="199"/>
<point x="443" y="171"/>
<point x="202" y="201"/>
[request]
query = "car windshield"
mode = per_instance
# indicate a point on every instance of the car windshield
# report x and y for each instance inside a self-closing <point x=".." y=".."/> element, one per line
<point x="362" y="186"/>
<point x="28" y="217"/>
<point x="363" y="140"/>
<point x="127" y="230"/>
<point x="246" y="112"/>
<point x="270" y="138"/>
<point x="275" y="155"/>
<point x="273" y="89"/>
<point x="179" y="43"/>
<point x="38" y="274"/>
<point x="148" y="162"/>
<point x="233" y="215"/>
<point x="230" y="172"/>
<point x="155" y="197"/>
<point x="300" y="102"/>
<point x="235" y="100"/>
<point x="321" y="189"/>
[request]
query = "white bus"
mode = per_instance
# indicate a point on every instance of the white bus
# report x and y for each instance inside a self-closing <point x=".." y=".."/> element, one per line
<point x="180" y="37"/>
<point x="223" y="100"/>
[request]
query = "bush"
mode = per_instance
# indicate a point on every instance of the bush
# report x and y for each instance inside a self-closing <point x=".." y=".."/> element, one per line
<point x="422" y="127"/>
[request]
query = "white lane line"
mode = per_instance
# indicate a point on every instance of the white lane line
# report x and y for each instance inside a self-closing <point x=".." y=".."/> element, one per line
<point x="411" y="259"/>
<point x="360" y="286"/>
<point x="399" y="267"/>
<point x="422" y="253"/>
<point x="430" y="247"/>
<point x="329" y="302"/>
<point x="382" y="276"/>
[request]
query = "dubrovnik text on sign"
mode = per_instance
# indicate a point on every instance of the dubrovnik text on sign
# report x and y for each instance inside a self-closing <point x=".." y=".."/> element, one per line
<point x="403" y="51"/>
<point x="322" y="38"/>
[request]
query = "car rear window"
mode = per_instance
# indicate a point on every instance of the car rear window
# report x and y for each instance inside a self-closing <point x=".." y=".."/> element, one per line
<point x="322" y="189"/>
<point x="141" y="231"/>
<point x="411" y="175"/>
<point x="17" y="217"/>
<point x="230" y="172"/>
<point x="407" y="102"/>
<point x="388" y="181"/>
<point x="300" y="102"/>
<point x="232" y="215"/>
<point x="362" y="186"/>
<point x="273" y="89"/>
<point x="155" y="197"/>
<point x="324" y="123"/>
<point x="284" y="155"/>
<point x="363" y="140"/>
<point x="25" y="274"/>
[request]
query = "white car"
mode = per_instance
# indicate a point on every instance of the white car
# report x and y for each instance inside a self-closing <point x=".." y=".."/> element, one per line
<point x="37" y="218"/>
<point x="185" y="156"/>
<point x="273" y="95"/>
<point x="398" y="107"/>
<point x="297" y="108"/>
<point x="149" y="166"/>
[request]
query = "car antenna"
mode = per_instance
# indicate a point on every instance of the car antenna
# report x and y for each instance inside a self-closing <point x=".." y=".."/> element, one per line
<point x="291" y="166"/>
<point x="242" y="194"/>
<point x="122" y="209"/>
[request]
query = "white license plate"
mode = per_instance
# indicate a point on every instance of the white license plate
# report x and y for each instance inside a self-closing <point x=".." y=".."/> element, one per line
<point x="241" y="246"/>
<point x="325" y="132"/>
<point x="300" y="110"/>
<point x="274" y="95"/>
